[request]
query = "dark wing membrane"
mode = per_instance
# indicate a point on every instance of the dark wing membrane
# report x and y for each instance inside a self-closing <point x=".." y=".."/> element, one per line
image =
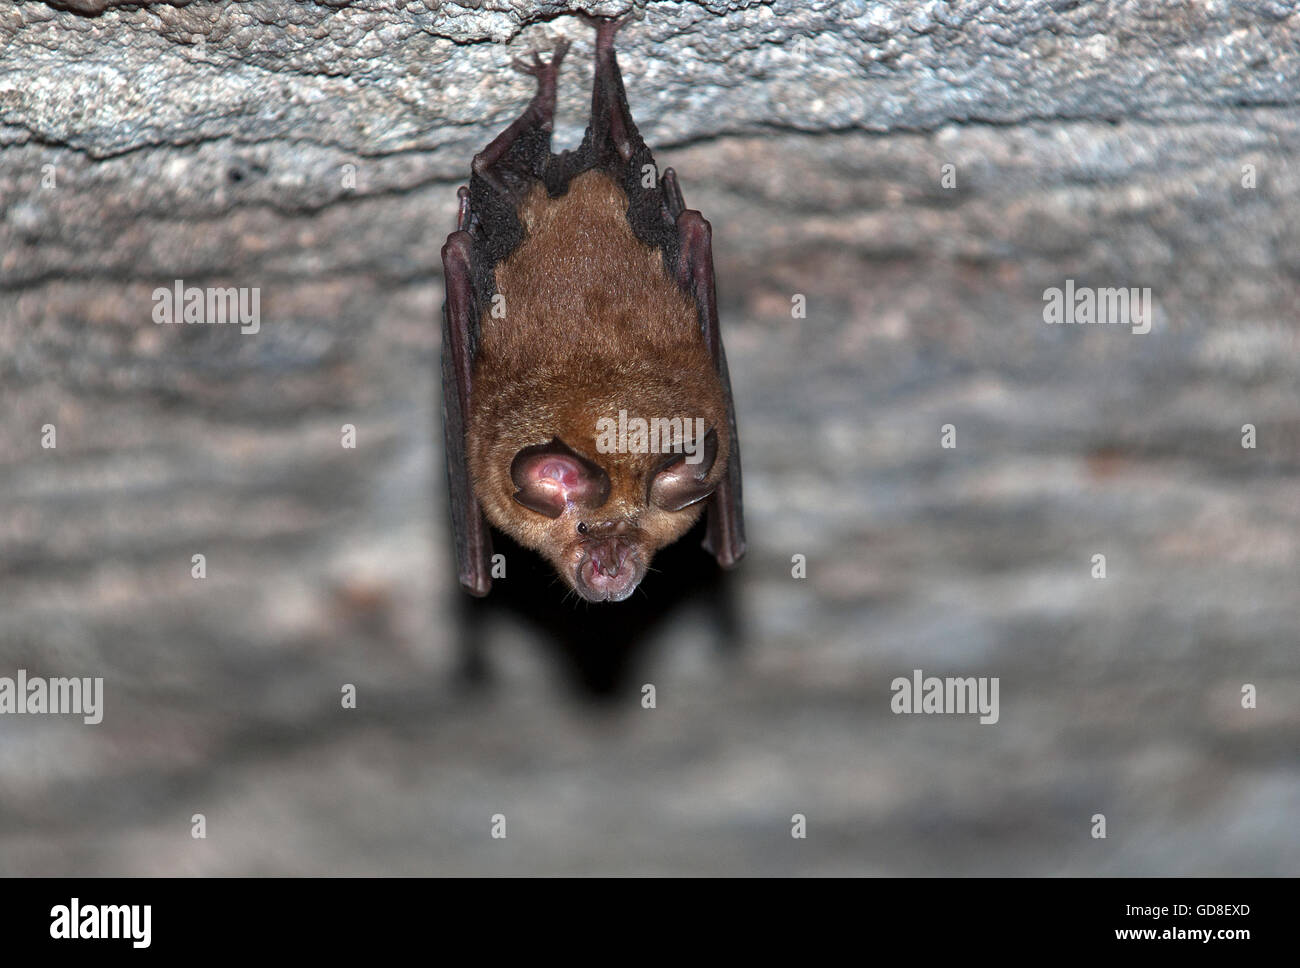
<point x="725" y="535"/>
<point x="470" y="535"/>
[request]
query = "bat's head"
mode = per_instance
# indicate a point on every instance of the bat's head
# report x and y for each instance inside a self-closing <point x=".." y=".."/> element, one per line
<point x="600" y="518"/>
<point x="596" y="452"/>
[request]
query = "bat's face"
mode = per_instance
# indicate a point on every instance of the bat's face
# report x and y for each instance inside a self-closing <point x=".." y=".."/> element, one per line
<point x="600" y="524"/>
<point x="591" y="447"/>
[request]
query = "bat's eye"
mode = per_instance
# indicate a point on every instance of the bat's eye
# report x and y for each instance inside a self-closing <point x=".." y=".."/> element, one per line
<point x="582" y="527"/>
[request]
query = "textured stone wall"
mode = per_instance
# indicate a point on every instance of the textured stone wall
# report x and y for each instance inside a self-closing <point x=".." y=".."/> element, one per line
<point x="313" y="150"/>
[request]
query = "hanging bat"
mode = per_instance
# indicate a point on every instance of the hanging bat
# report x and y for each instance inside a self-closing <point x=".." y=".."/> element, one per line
<point x="580" y="311"/>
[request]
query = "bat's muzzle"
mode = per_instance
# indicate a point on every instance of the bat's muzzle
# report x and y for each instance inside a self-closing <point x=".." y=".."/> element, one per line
<point x="609" y="570"/>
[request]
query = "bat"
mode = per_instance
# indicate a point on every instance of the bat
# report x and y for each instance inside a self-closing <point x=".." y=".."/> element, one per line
<point x="587" y="406"/>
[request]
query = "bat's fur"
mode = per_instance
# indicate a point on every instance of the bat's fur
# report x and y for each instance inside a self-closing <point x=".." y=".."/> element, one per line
<point x="592" y="325"/>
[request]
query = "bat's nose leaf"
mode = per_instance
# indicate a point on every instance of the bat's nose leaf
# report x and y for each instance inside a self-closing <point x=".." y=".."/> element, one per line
<point x="609" y="571"/>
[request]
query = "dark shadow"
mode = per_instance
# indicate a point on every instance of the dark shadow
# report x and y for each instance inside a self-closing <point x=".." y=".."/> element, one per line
<point x="599" y="645"/>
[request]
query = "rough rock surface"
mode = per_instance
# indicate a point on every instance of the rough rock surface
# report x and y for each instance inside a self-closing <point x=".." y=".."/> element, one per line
<point x="1149" y="144"/>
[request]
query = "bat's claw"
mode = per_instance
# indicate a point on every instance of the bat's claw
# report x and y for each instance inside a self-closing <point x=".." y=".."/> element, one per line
<point x="608" y="24"/>
<point x="540" y="69"/>
<point x="523" y="67"/>
<point x="606" y="28"/>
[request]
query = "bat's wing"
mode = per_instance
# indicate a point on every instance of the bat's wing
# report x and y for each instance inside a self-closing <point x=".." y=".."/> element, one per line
<point x="725" y="537"/>
<point x="487" y="229"/>
<point x="470" y="534"/>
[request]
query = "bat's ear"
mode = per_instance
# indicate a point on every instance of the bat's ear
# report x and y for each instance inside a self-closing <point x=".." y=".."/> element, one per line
<point x="549" y="476"/>
<point x="679" y="483"/>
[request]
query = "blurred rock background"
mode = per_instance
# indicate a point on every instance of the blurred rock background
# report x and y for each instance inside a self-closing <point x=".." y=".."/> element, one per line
<point x="1149" y="144"/>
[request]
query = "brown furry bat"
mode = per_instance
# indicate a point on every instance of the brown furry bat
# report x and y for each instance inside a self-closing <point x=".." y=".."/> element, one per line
<point x="586" y="402"/>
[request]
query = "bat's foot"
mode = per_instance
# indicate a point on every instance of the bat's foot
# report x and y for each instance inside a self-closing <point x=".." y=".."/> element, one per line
<point x="611" y="120"/>
<point x="539" y="115"/>
<point x="546" y="72"/>
<point x="606" y="28"/>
